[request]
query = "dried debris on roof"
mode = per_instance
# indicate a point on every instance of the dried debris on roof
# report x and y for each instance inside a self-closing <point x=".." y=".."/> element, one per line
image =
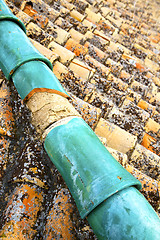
<point x="106" y="54"/>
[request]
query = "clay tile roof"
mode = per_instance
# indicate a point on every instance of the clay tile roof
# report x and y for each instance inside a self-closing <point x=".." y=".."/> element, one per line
<point x="106" y="54"/>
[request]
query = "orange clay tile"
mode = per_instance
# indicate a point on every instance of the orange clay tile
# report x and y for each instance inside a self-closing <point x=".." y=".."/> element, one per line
<point x="45" y="51"/>
<point x="25" y="18"/>
<point x="146" y="106"/>
<point x="59" y="69"/>
<point x="65" y="55"/>
<point x="145" y="161"/>
<point x="133" y="96"/>
<point x="75" y="47"/>
<point x="6" y="115"/>
<point x="117" y="138"/>
<point x="76" y="15"/>
<point x="67" y="5"/>
<point x="152" y="126"/>
<point x="154" y="67"/>
<point x="81" y="69"/>
<point x="89" y="25"/>
<point x="42" y="20"/>
<point x="88" y="112"/>
<point x="137" y="63"/>
<point x="105" y="26"/>
<point x="93" y="17"/>
<point x="102" y="35"/>
<point x="95" y="52"/>
<point x="4" y="148"/>
<point x="21" y="213"/>
<point x="115" y="67"/>
<point x="78" y="37"/>
<point x="59" y="221"/>
<point x="149" y="142"/>
<point x="124" y="75"/>
<point x="99" y="67"/>
<point x="59" y="35"/>
<point x="105" y="11"/>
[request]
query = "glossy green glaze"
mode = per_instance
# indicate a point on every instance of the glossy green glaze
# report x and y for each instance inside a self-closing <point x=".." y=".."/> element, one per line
<point x="6" y="14"/>
<point x="126" y="215"/>
<point x="16" y="49"/>
<point x="90" y="171"/>
<point x="35" y="74"/>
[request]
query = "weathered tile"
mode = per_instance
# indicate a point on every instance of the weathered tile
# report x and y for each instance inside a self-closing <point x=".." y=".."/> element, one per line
<point x="74" y="83"/>
<point x="96" y="40"/>
<point x="117" y="138"/>
<point x="21" y="213"/>
<point x="6" y="114"/>
<point x="115" y="67"/>
<point x="106" y="27"/>
<point x="45" y="51"/>
<point x="154" y="67"/>
<point x="59" y="35"/>
<point x="59" y="222"/>
<point x="99" y="67"/>
<point x="151" y="143"/>
<point x="59" y="69"/>
<point x="78" y="49"/>
<point x="78" y="16"/>
<point x="116" y="96"/>
<point x="149" y="186"/>
<point x="88" y="112"/>
<point x="100" y="34"/>
<point x="25" y="18"/>
<point x="146" y="161"/>
<point x="65" y="55"/>
<point x="80" y="38"/>
<point x="40" y="6"/>
<point x="93" y="17"/>
<point x="36" y="33"/>
<point x="117" y="83"/>
<point x="136" y="112"/>
<point x="139" y="88"/>
<point x="89" y="25"/>
<point x="146" y="106"/>
<point x="41" y="20"/>
<point x="97" y="99"/>
<point x="81" y="69"/>
<point x="96" y="53"/>
<point x="64" y="24"/>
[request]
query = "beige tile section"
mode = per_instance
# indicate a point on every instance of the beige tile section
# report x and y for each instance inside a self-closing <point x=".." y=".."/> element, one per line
<point x="153" y="126"/>
<point x="117" y="138"/>
<point x="146" y="161"/>
<point x="48" y="108"/>
<point x="81" y="69"/>
<point x="65" y="55"/>
<point x="93" y="17"/>
<point x="59" y="69"/>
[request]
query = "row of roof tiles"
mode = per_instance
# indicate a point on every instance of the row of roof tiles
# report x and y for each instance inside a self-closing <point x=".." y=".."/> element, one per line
<point x="106" y="55"/>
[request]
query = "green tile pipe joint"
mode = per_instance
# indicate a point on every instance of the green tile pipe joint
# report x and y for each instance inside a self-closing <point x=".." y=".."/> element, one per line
<point x="6" y="14"/>
<point x="89" y="170"/>
<point x="35" y="74"/>
<point x="125" y="215"/>
<point x="16" y="49"/>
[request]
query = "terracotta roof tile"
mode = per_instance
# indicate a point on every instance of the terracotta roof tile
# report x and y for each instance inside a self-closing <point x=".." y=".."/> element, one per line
<point x="65" y="55"/>
<point x="111" y="71"/>
<point x="114" y="134"/>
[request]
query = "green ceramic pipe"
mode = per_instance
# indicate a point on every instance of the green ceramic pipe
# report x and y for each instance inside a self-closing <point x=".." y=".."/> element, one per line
<point x="6" y="14"/>
<point x="36" y="75"/>
<point x="103" y="190"/>
<point x="16" y="49"/>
